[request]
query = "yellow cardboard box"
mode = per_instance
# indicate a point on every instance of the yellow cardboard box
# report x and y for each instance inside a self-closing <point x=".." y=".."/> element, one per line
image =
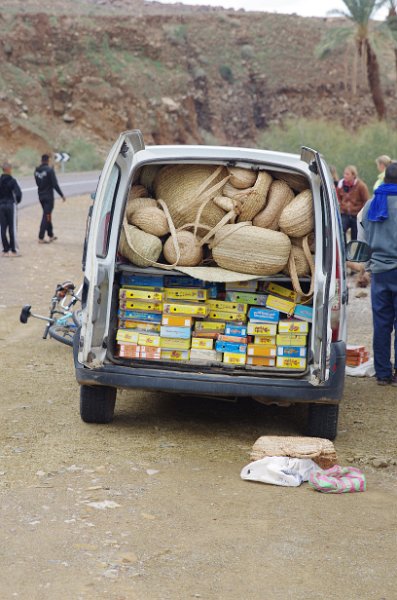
<point x="146" y="339"/>
<point x="230" y="307"/>
<point x="265" y="340"/>
<point x="134" y="294"/>
<point x="262" y="329"/>
<point x="291" y="339"/>
<point x="285" y="306"/>
<point x="291" y="326"/>
<point x="230" y="358"/>
<point x="284" y="362"/>
<point x="258" y="350"/>
<point x="175" y="343"/>
<point x="261" y="361"/>
<point x="176" y="321"/>
<point x="195" y="294"/>
<point x="187" y="308"/>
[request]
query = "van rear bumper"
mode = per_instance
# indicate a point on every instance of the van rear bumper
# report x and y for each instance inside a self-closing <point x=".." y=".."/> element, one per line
<point x="216" y="384"/>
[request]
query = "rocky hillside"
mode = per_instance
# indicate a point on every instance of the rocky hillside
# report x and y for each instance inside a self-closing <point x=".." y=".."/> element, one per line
<point x="88" y="69"/>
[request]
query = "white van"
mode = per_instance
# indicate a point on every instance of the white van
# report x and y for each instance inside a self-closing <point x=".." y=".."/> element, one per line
<point x="100" y="367"/>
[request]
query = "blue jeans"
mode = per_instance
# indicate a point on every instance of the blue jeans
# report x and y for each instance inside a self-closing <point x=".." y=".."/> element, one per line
<point x="349" y="222"/>
<point x="384" y="314"/>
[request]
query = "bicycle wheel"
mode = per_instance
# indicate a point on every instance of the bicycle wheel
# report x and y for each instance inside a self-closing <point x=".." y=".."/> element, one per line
<point x="62" y="333"/>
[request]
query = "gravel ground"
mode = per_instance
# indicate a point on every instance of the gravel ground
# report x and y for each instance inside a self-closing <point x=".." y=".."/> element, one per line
<point x="152" y="507"/>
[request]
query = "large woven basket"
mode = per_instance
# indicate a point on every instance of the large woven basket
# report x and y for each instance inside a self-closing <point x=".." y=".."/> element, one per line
<point x="247" y="249"/>
<point x="136" y="204"/>
<point x="142" y="249"/>
<point x="297" y="182"/>
<point x="297" y="218"/>
<point x="242" y="178"/>
<point x="150" y="219"/>
<point x="279" y="195"/>
<point x="302" y="265"/>
<point x="185" y="188"/>
<point x="252" y="199"/>
<point x="147" y="176"/>
<point x="320" y="450"/>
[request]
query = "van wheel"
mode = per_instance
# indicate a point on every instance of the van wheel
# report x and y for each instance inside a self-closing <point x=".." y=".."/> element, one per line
<point x="323" y="420"/>
<point x="97" y="403"/>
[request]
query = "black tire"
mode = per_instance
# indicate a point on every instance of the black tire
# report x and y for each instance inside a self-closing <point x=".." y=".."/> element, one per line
<point x="323" y="420"/>
<point x="62" y="334"/>
<point x="97" y="403"/>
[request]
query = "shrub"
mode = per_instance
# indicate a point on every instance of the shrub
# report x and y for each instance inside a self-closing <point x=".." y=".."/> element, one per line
<point x="226" y="73"/>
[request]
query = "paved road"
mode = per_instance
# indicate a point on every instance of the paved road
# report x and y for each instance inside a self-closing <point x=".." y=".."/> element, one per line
<point x="72" y="184"/>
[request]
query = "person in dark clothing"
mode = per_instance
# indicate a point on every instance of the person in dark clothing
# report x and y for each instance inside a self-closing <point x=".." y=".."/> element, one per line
<point x="379" y="220"/>
<point x="10" y="196"/>
<point x="47" y="182"/>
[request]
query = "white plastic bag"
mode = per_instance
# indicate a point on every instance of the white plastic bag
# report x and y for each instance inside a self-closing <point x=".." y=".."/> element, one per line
<point x="279" y="470"/>
<point x="366" y="369"/>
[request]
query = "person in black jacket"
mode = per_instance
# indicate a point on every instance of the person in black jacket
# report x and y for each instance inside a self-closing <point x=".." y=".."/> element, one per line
<point x="47" y="182"/>
<point x="10" y="196"/>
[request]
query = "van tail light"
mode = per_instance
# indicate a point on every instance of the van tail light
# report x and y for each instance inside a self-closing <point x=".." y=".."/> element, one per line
<point x="336" y="303"/>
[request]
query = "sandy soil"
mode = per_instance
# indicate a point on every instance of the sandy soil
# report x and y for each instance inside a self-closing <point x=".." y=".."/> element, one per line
<point x="152" y="507"/>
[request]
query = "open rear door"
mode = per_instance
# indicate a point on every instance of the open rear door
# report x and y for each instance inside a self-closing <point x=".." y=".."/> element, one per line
<point x="325" y="268"/>
<point x="102" y="246"/>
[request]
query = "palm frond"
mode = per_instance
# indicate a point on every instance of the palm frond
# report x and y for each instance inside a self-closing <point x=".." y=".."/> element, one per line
<point x="334" y="39"/>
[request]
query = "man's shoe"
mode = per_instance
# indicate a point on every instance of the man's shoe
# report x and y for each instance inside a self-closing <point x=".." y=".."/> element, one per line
<point x="43" y="241"/>
<point x="387" y="381"/>
<point x="5" y="254"/>
<point x="15" y="254"/>
<point x="52" y="239"/>
<point x="394" y="379"/>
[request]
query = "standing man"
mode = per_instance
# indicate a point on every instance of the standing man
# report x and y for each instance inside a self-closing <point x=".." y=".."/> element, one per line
<point x="10" y="196"/>
<point x="352" y="195"/>
<point x="47" y="182"/>
<point x="379" y="220"/>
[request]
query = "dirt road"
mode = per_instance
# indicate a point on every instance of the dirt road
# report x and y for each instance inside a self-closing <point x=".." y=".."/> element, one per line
<point x="152" y="507"/>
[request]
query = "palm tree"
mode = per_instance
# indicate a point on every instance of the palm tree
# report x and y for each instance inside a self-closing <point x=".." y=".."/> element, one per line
<point x="359" y="13"/>
<point x="391" y="22"/>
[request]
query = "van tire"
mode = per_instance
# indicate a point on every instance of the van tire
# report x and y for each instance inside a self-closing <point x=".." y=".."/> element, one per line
<point x="97" y="403"/>
<point x="323" y="420"/>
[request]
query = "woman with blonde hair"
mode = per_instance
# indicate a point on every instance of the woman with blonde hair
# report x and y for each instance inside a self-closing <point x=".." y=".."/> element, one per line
<point x="382" y="162"/>
<point x="352" y="195"/>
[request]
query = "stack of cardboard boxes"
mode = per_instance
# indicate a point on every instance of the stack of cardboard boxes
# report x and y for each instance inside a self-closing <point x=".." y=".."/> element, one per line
<point x="179" y="318"/>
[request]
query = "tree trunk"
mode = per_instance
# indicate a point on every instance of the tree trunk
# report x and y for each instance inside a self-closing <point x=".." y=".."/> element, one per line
<point x="374" y="81"/>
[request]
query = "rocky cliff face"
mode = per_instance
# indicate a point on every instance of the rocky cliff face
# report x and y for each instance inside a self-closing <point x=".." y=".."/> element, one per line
<point x="180" y="74"/>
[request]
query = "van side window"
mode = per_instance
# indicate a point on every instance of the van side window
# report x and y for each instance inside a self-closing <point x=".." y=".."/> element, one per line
<point x="107" y="212"/>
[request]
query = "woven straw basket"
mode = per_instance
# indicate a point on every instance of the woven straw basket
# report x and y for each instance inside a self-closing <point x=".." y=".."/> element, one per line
<point x="320" y="450"/>
<point x="138" y="191"/>
<point x="190" y="250"/>
<point x="185" y="188"/>
<point x="150" y="219"/>
<point x="137" y="204"/>
<point x="132" y="238"/>
<point x="297" y="218"/>
<point x="147" y="176"/>
<point x="301" y="262"/>
<point x="297" y="182"/>
<point x="242" y="178"/>
<point x="252" y="199"/>
<point x="247" y="249"/>
<point x="279" y="195"/>
<point x="302" y="265"/>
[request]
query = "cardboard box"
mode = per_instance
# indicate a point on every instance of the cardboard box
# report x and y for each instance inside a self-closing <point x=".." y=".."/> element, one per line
<point x="263" y="315"/>
<point x="295" y="351"/>
<point x="232" y="329"/>
<point x="132" y="280"/>
<point x="283" y="362"/>
<point x="138" y="326"/>
<point x="150" y="353"/>
<point x="265" y="340"/>
<point x="128" y="351"/>
<point x="134" y="294"/>
<point x="174" y="343"/>
<point x="234" y="339"/>
<point x="261" y="361"/>
<point x="127" y="335"/>
<point x="138" y="305"/>
<point x="280" y="290"/>
<point x="176" y="321"/>
<point x="258" y="350"/>
<point x="247" y="298"/>
<point x="200" y="343"/>
<point x="291" y="339"/>
<point x="219" y="315"/>
<point x="229" y="347"/>
<point x="303" y="312"/>
<point x="175" y="354"/>
<point x="184" y="281"/>
<point x="230" y="307"/>
<point x="188" y="308"/>
<point x="183" y="333"/>
<point x="194" y="294"/>
<point x="262" y="329"/>
<point x="146" y="339"/>
<point x="290" y="326"/>
<point x="209" y="326"/>
<point x="242" y="286"/>
<point x="205" y="356"/>
<point x="230" y="358"/>
<point x="213" y="335"/>
<point x="135" y="315"/>
<point x="280" y="304"/>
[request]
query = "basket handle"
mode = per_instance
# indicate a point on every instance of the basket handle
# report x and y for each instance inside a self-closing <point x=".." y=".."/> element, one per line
<point x="294" y="274"/>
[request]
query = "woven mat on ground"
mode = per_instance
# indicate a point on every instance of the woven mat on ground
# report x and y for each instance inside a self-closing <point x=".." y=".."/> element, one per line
<point x="320" y="450"/>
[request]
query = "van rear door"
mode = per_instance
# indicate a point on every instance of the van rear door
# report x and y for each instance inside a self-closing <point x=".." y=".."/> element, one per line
<point x="325" y="276"/>
<point x="102" y="246"/>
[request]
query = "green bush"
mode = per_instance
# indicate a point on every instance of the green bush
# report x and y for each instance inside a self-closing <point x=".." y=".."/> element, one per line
<point x="339" y="146"/>
<point x="83" y="156"/>
<point x="226" y="73"/>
